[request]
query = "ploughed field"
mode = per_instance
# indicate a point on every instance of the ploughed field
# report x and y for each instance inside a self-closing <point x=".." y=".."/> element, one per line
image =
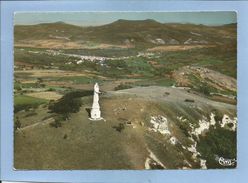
<point x="168" y="100"/>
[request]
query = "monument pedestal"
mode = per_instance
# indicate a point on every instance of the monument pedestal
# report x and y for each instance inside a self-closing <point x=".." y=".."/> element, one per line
<point x="96" y="119"/>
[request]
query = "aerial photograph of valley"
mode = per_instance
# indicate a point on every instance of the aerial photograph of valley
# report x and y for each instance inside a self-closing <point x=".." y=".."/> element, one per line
<point x="125" y="90"/>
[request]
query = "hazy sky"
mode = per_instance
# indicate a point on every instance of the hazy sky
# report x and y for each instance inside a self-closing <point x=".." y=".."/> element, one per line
<point x="100" y="18"/>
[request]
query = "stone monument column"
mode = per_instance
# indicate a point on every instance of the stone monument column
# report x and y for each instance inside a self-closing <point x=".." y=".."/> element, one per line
<point x="95" y="112"/>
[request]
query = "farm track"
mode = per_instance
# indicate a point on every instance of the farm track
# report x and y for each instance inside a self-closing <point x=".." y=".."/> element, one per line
<point x="45" y="122"/>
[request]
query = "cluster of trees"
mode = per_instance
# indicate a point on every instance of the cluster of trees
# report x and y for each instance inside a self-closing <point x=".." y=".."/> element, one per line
<point x="218" y="142"/>
<point x="69" y="103"/>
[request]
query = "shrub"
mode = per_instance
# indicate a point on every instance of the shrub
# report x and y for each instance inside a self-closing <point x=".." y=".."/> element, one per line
<point x="17" y="86"/>
<point x="204" y="89"/>
<point x="218" y="116"/>
<point x="120" y="127"/>
<point x="189" y="100"/>
<point x="230" y="125"/>
<point x="57" y="123"/>
<point x="51" y="89"/>
<point x="31" y="114"/>
<point x="17" y="123"/>
<point x="65" y="136"/>
<point x="185" y="128"/>
<point x="123" y="86"/>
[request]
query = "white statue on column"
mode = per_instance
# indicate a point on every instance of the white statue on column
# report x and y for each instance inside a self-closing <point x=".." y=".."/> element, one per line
<point x="95" y="112"/>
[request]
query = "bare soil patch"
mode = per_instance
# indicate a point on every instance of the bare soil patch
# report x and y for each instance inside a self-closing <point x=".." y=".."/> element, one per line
<point x="54" y="73"/>
<point x="213" y="78"/>
<point x="48" y="95"/>
<point x="66" y="44"/>
<point x="177" y="47"/>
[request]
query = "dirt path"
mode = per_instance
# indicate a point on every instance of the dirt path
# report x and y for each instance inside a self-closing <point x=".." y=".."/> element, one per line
<point x="48" y="121"/>
<point x="173" y="95"/>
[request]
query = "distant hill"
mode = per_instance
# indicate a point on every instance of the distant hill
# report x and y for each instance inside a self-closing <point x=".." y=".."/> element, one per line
<point x="139" y="33"/>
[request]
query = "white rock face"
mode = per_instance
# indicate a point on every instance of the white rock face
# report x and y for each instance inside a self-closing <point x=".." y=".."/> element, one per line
<point x="160" y="124"/>
<point x="160" y="41"/>
<point x="196" y="154"/>
<point x="80" y="61"/>
<point x="212" y="119"/>
<point x="193" y="150"/>
<point x="194" y="33"/>
<point x="95" y="110"/>
<point x="152" y="158"/>
<point x="227" y="120"/>
<point x="173" y="140"/>
<point x="173" y="41"/>
<point x="204" y="125"/>
<point x="182" y="119"/>
<point x="203" y="163"/>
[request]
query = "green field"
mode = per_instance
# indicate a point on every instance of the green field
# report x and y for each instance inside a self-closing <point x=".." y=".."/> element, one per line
<point x="22" y="102"/>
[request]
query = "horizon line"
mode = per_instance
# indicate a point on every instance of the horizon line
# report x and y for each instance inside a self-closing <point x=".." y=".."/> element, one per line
<point x="102" y="18"/>
<point x="96" y="25"/>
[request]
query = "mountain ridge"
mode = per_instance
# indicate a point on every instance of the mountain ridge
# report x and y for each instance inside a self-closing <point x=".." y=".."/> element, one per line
<point x="139" y="33"/>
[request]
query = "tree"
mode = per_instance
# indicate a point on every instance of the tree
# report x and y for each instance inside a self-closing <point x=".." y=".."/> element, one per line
<point x="17" y="123"/>
<point x="66" y="105"/>
<point x="204" y="88"/>
<point x="57" y="123"/>
<point x="218" y="142"/>
<point x="69" y="103"/>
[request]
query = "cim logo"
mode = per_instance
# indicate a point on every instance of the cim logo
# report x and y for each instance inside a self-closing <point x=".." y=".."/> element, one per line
<point x="226" y="162"/>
